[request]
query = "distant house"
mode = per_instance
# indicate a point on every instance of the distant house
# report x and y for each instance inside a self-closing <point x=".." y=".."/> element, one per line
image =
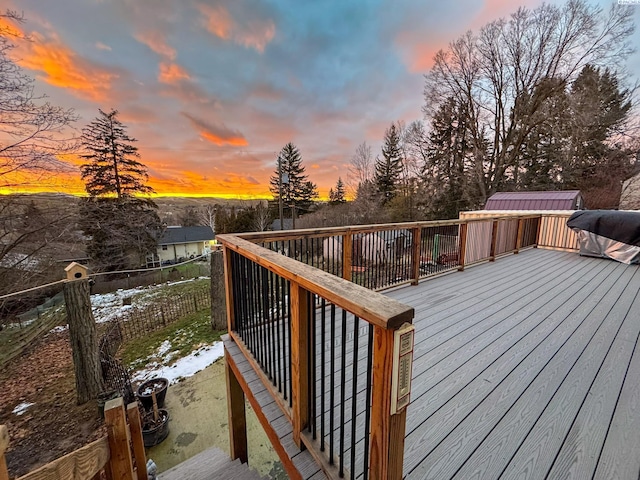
<point x="178" y="244"/>
<point x="287" y="223"/>
<point x="545" y="200"/>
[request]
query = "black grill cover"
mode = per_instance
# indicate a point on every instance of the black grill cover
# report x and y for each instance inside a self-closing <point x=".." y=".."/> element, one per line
<point x="620" y="226"/>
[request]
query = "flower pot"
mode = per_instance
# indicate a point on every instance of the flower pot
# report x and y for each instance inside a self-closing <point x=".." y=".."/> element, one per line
<point x="159" y="385"/>
<point x="155" y="432"/>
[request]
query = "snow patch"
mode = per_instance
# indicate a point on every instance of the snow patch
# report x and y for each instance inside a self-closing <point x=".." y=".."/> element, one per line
<point x="21" y="408"/>
<point x="184" y="367"/>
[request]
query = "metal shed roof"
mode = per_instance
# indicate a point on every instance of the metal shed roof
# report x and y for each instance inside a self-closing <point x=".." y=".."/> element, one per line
<point x="551" y="200"/>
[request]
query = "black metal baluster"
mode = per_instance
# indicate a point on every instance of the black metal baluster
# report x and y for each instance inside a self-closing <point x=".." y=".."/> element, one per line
<point x="367" y="408"/>
<point x="333" y="375"/>
<point x="283" y="319"/>
<point x="323" y="305"/>
<point x="354" y="393"/>
<point x="343" y="382"/>
<point x="277" y="299"/>
<point x="289" y="336"/>
<point x="266" y="315"/>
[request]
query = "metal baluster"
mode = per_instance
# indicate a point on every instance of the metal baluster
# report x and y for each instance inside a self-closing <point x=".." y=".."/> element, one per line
<point x="323" y="305"/>
<point x="343" y="368"/>
<point x="367" y="411"/>
<point x="354" y="393"/>
<point x="333" y="375"/>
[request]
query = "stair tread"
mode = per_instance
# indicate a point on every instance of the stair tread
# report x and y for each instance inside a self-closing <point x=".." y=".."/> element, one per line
<point x="210" y="464"/>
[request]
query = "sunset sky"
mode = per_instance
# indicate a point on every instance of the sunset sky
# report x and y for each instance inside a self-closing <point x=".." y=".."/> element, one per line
<point x="213" y="89"/>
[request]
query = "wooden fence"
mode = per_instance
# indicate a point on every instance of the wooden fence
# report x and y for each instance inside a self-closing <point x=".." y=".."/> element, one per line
<point x="118" y="455"/>
<point x="15" y="338"/>
<point x="137" y="323"/>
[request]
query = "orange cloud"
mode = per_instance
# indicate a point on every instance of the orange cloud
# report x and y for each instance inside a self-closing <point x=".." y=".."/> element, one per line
<point x="218" y="134"/>
<point x="156" y="42"/>
<point x="172" y="73"/>
<point x="254" y="34"/>
<point x="62" y="67"/>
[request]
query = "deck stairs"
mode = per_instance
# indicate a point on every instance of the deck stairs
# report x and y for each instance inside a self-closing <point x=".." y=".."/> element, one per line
<point x="212" y="464"/>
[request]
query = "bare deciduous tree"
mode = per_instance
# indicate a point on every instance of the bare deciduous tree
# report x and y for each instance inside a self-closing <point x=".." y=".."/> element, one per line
<point x="361" y="167"/>
<point x="500" y="73"/>
<point x="33" y="133"/>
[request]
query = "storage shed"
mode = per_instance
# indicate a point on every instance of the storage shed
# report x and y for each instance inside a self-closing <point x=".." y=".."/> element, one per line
<point x="546" y="200"/>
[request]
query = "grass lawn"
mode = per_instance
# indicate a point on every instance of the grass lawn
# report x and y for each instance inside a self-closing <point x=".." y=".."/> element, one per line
<point x="185" y="336"/>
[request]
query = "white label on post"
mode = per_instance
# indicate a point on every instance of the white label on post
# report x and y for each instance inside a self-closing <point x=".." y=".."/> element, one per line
<point x="402" y="367"/>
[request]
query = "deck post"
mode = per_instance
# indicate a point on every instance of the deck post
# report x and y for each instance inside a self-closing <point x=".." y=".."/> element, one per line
<point x="4" y="444"/>
<point x="387" y="431"/>
<point x="118" y="433"/>
<point x="135" y="426"/>
<point x="347" y="255"/>
<point x="494" y="240"/>
<point x="463" y="245"/>
<point x="299" y="361"/>
<point x="237" y="414"/>
<point x="519" y="236"/>
<point x="228" y="288"/>
<point x="416" y="236"/>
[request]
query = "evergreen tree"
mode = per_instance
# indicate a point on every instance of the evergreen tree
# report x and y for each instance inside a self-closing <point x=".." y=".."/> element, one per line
<point x="338" y="195"/>
<point x="122" y="228"/>
<point x="447" y="157"/>
<point x="113" y="168"/>
<point x="297" y="190"/>
<point x="388" y="169"/>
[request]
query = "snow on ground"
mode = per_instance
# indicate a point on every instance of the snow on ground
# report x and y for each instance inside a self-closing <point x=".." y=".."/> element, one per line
<point x="183" y="367"/>
<point x="107" y="306"/>
<point x="21" y="408"/>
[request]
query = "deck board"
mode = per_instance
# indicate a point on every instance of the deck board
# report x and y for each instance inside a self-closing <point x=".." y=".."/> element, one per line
<point x="524" y="367"/>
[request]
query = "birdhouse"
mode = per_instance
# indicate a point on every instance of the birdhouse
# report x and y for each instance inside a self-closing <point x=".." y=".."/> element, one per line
<point x="75" y="271"/>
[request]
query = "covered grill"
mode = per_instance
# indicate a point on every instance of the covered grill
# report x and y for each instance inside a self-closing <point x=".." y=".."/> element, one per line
<point x="608" y="233"/>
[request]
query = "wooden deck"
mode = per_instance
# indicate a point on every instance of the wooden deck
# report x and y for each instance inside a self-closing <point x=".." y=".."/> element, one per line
<point x="524" y="368"/>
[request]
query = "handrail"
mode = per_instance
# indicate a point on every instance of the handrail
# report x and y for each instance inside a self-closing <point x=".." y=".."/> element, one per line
<point x="356" y="229"/>
<point x="369" y="305"/>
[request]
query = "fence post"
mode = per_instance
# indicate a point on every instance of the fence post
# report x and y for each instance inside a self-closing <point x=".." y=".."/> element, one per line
<point x="135" y="427"/>
<point x="4" y="444"/>
<point x="463" y="245"/>
<point x="387" y="431"/>
<point x="494" y="240"/>
<point x="416" y="245"/>
<point x="118" y="432"/>
<point x="519" y="236"/>
<point x="84" y="340"/>
<point x="347" y="254"/>
<point x="299" y="361"/>
<point x="228" y="288"/>
<point x="218" y="300"/>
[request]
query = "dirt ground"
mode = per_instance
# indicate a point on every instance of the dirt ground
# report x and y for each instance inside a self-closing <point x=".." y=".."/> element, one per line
<point x="54" y="425"/>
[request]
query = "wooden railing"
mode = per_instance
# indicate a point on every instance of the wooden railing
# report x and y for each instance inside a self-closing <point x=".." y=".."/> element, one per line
<point x="118" y="455"/>
<point x="303" y="309"/>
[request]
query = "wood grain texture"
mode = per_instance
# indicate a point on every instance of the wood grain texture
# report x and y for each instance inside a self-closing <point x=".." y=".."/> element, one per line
<point x="118" y="432"/>
<point x="137" y="442"/>
<point x="299" y="360"/>
<point x="4" y="444"/>
<point x="81" y="464"/>
<point x="347" y="254"/>
<point x="236" y="414"/>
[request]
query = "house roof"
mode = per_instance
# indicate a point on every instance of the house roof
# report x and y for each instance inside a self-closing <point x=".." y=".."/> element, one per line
<point x="543" y="200"/>
<point x="174" y="235"/>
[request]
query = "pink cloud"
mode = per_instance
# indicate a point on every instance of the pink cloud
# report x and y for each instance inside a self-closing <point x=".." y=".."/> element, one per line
<point x="156" y="42"/>
<point x="254" y="34"/>
<point x="217" y="133"/>
<point x="172" y="73"/>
